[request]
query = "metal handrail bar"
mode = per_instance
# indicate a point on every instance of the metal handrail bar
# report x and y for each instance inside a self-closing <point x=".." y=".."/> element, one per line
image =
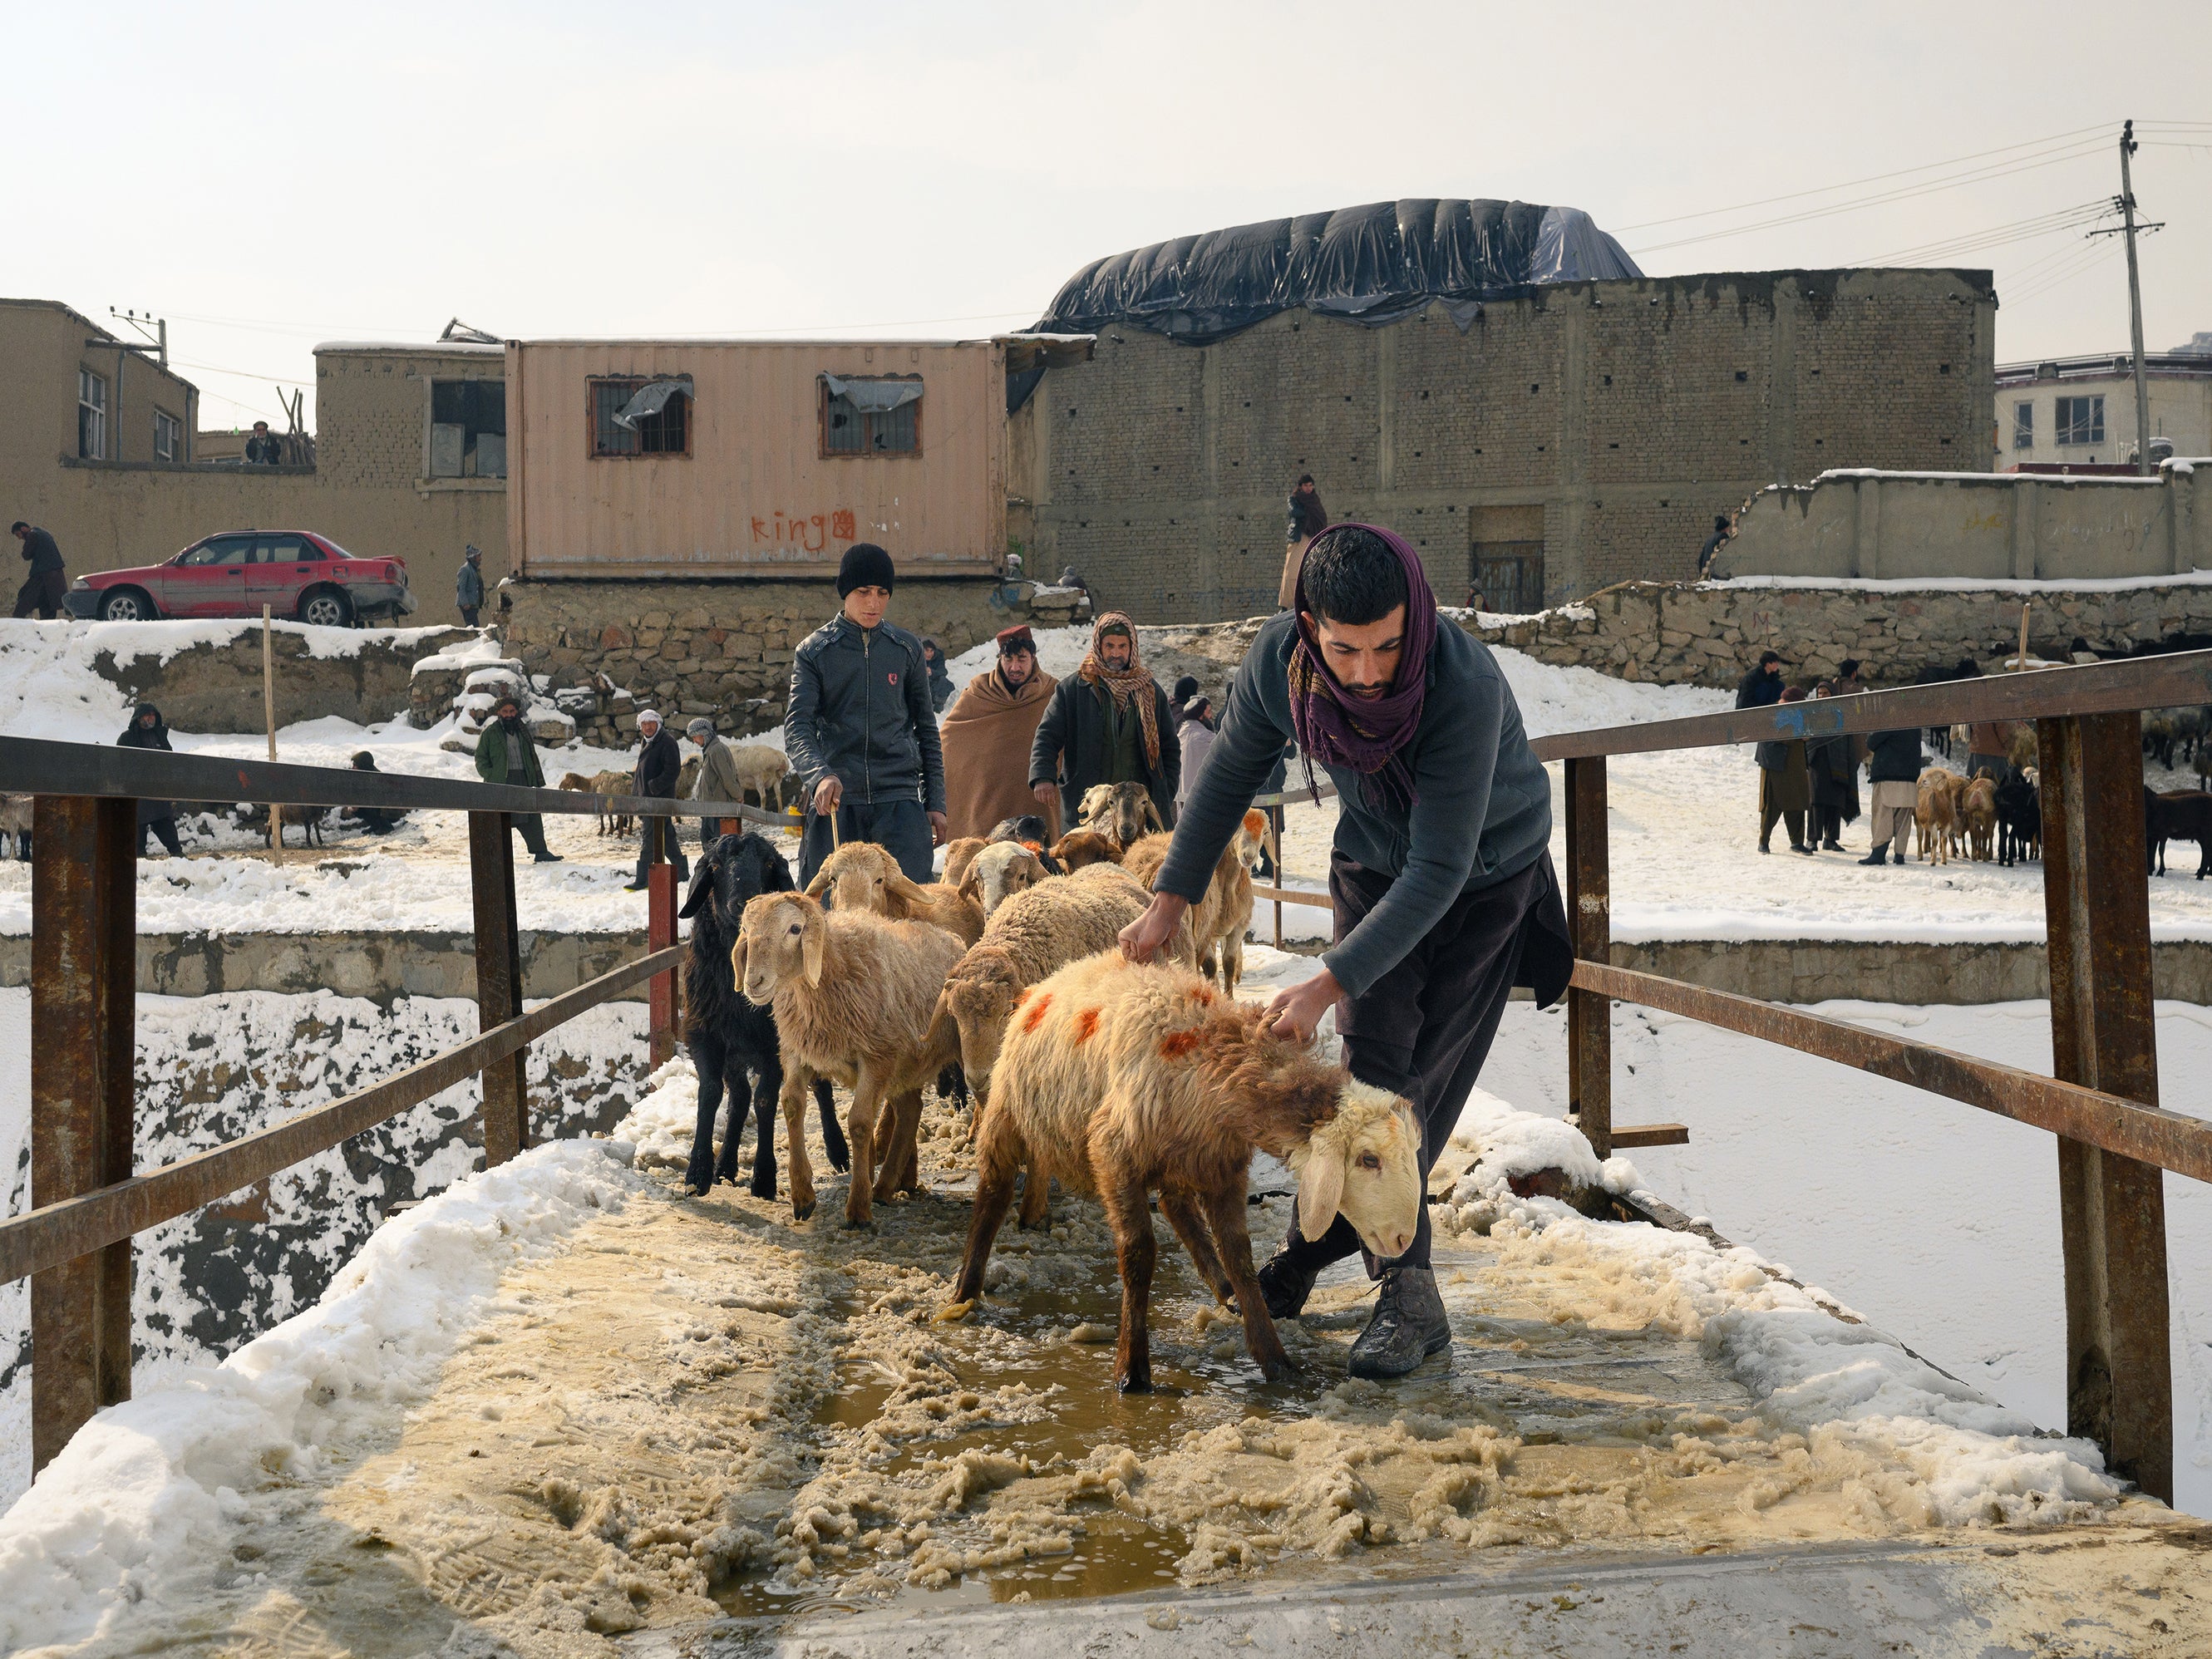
<point x="56" y="1233"/>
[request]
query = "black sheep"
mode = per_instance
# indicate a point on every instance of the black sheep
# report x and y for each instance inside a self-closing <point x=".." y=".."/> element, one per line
<point x="1029" y="830"/>
<point x="728" y="1036"/>
<point x="2020" y="817"/>
<point x="2179" y="815"/>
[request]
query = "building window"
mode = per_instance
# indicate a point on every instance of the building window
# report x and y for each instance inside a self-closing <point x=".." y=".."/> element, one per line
<point x="2023" y="426"/>
<point x="91" y="417"/>
<point x="634" y="416"/>
<point x="880" y="415"/>
<point x="2079" y="421"/>
<point x="468" y="429"/>
<point x="168" y="437"/>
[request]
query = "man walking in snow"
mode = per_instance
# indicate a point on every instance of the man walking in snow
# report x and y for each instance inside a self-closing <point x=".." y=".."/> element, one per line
<point x="860" y="732"/>
<point x="1441" y="878"/>
<point x="43" y="590"/>
<point x="659" y="764"/>
<point x="506" y="753"/>
<point x="1892" y="774"/>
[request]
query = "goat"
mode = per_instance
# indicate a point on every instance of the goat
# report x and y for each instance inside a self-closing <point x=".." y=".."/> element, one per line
<point x="2019" y="817"/>
<point x="761" y="769"/>
<point x="2178" y="815"/>
<point x="1124" y="811"/>
<point x="1029" y="937"/>
<point x="1078" y="847"/>
<point x="309" y="818"/>
<point x="853" y="995"/>
<point x="612" y="783"/>
<point x="1123" y="1080"/>
<point x="15" y="814"/>
<point x="1932" y="817"/>
<point x="727" y="1037"/>
<point x="575" y="783"/>
<point x="862" y="876"/>
<point x="2022" y="752"/>
<point x="999" y="872"/>
<point x="1978" y="816"/>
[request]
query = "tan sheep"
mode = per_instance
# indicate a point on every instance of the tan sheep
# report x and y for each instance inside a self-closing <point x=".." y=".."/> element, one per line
<point x="1123" y="810"/>
<point x="959" y="853"/>
<point x="16" y="812"/>
<point x="1977" y="817"/>
<point x="862" y="876"/>
<point x="1079" y="848"/>
<point x="1121" y="1081"/>
<point x="1934" y="823"/>
<point x="1000" y="871"/>
<point x="612" y="783"/>
<point x="853" y="994"/>
<point x="762" y="770"/>
<point x="1224" y="910"/>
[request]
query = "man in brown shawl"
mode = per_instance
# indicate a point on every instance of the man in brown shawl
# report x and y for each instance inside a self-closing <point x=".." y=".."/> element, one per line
<point x="1110" y="724"/>
<point x="987" y="734"/>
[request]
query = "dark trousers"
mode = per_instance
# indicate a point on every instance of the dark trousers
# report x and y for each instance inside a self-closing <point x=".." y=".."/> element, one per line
<point x="42" y="593"/>
<point x="530" y="825"/>
<point x="901" y="828"/>
<point x="660" y="833"/>
<point x="163" y="831"/>
<point x="1423" y="1029"/>
<point x="1827" y="823"/>
<point x="468" y="614"/>
<point x="1794" y="818"/>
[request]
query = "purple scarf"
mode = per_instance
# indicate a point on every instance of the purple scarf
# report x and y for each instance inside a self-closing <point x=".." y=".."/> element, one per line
<point x="1338" y="729"/>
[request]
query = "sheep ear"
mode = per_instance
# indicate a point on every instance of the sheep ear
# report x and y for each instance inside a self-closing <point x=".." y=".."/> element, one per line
<point x="820" y="884"/>
<point x="737" y="962"/>
<point x="1321" y="1189"/>
<point x="703" y="882"/>
<point x="972" y="890"/>
<point x="899" y="882"/>
<point x="812" y="944"/>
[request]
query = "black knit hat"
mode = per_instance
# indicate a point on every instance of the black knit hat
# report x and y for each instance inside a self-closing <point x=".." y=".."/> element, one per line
<point x="865" y="565"/>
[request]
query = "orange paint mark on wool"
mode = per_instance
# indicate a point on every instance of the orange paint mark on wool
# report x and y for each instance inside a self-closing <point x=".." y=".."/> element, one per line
<point x="1086" y="1025"/>
<point x="1177" y="1044"/>
<point x="1037" y="1013"/>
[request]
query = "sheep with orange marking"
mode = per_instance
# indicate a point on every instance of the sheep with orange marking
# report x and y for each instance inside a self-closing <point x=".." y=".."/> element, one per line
<point x="1218" y="920"/>
<point x="853" y="994"/>
<point x="862" y="876"/>
<point x="1121" y="1081"/>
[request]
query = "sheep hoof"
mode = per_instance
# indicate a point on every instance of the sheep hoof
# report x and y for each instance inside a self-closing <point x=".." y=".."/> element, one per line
<point x="763" y="1186"/>
<point x="1285" y="1369"/>
<point x="801" y="1211"/>
<point x="855" y="1224"/>
<point x="1135" y="1383"/>
<point x="952" y="1313"/>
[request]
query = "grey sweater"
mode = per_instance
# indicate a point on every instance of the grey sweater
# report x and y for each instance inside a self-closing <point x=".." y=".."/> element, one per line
<point x="1483" y="812"/>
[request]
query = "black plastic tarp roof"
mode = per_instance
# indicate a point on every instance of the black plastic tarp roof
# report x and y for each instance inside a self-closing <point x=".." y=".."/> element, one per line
<point x="1372" y="264"/>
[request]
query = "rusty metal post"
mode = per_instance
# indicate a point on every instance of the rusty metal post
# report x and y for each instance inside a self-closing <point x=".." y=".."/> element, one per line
<point x="659" y="934"/>
<point x="1589" y="923"/>
<point x="2120" y="1381"/>
<point x="498" y="983"/>
<point x="84" y="906"/>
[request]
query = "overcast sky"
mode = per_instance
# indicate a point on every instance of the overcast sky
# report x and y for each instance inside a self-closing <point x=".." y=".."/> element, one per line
<point x="266" y="178"/>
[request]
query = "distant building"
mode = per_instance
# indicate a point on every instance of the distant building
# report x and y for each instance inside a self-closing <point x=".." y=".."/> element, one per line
<point x="100" y="445"/>
<point x="2080" y="411"/>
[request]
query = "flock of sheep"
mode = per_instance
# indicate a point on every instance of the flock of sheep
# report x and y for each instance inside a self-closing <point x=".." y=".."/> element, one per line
<point x="1116" y="1080"/>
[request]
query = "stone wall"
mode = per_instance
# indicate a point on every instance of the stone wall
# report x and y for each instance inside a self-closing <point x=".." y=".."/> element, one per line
<point x="1601" y="425"/>
<point x="1707" y="633"/>
<point x="216" y="687"/>
<point x="724" y="648"/>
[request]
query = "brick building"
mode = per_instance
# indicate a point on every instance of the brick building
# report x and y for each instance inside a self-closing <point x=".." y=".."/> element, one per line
<point x="1573" y="437"/>
<point x="99" y="446"/>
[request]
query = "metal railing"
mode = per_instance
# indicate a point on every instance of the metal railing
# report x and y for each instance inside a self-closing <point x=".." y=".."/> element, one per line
<point x="2114" y="1140"/>
<point x="87" y="1202"/>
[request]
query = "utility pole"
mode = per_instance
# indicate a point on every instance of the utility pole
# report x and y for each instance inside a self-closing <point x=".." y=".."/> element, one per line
<point x="2134" y="305"/>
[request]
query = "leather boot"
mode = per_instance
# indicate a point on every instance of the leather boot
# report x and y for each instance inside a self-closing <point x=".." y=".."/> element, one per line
<point x="1285" y="1286"/>
<point x="1408" y="1325"/>
<point x="1879" y="856"/>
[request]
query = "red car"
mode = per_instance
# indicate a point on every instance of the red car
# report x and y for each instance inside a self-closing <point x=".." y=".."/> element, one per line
<point x="295" y="572"/>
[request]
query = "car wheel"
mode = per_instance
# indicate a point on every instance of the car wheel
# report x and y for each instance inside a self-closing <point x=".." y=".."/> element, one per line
<point x="126" y="605"/>
<point x="325" y="607"/>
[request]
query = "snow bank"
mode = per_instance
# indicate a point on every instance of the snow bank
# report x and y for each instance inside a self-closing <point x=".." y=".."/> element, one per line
<point x="148" y="1490"/>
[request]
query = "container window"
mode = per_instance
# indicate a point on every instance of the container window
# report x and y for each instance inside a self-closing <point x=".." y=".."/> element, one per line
<point x="640" y="416"/>
<point x="878" y="415"/>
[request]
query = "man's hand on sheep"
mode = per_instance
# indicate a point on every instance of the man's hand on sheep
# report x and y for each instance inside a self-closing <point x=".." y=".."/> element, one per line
<point x="1142" y="939"/>
<point x="1296" y="1010"/>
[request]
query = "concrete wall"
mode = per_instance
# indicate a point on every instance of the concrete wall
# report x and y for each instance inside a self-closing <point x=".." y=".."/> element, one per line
<point x="1981" y="526"/>
<point x="1611" y="419"/>
<point x="369" y="490"/>
<point x="754" y="491"/>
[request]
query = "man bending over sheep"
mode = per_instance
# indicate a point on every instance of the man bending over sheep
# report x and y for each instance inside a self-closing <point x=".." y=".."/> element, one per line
<point x="1440" y="876"/>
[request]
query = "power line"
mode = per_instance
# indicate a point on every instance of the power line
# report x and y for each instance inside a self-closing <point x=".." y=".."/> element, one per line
<point x="2039" y="225"/>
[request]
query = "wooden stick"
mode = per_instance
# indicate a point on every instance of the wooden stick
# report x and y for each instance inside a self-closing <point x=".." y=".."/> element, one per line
<point x="2020" y="663"/>
<point x="269" y="716"/>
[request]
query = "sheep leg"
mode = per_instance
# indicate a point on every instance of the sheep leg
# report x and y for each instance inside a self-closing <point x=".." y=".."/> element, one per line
<point x="997" y="1158"/>
<point x="795" y="1080"/>
<point x="766" y="1088"/>
<point x="1036" y="1196"/>
<point x="1226" y="1210"/>
<point x="861" y="1124"/>
<point x="833" y="1133"/>
<point x="901" y="1168"/>
<point x="1137" y="1251"/>
<point x="1181" y="1208"/>
<point x="703" y="1171"/>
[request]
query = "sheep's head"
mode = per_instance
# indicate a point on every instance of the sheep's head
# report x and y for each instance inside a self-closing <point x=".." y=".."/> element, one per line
<point x="979" y="995"/>
<point x="959" y="853"/>
<point x="1363" y="1163"/>
<point x="1251" y="836"/>
<point x="782" y="939"/>
<point x="1001" y="869"/>
<point x="731" y="874"/>
<point x="1123" y="810"/>
<point x="857" y="877"/>
<point x="1078" y="847"/>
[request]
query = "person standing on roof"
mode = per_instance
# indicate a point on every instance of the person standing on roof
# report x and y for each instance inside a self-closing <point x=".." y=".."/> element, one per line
<point x="1440" y="880"/>
<point x="1308" y="518"/>
<point x="468" y="585"/>
<point x="860" y="730"/>
<point x="1110" y="724"/>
